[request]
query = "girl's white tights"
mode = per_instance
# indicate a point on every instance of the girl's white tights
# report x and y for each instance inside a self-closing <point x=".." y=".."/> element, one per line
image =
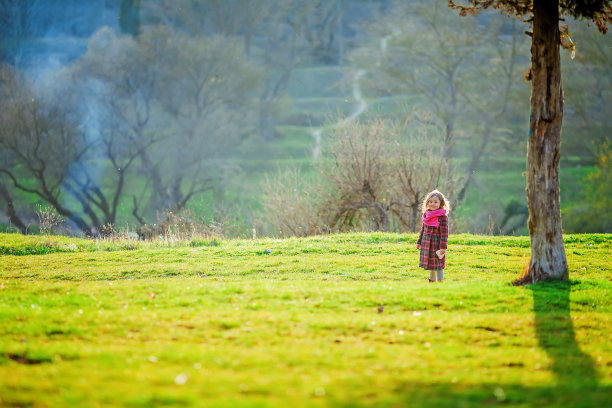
<point x="436" y="276"/>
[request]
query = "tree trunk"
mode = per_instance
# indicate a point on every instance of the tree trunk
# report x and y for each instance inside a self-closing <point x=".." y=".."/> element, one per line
<point x="10" y="209"/>
<point x="160" y="199"/>
<point x="414" y="215"/>
<point x="548" y="259"/>
<point x="382" y="217"/>
<point x="129" y="17"/>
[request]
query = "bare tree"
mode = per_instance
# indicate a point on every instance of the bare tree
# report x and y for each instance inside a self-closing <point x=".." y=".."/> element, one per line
<point x="358" y="194"/>
<point x="11" y="211"/>
<point x="377" y="174"/>
<point x="208" y="87"/>
<point x="492" y="103"/>
<point x="119" y="79"/>
<point x="42" y="138"/>
<point x="381" y="172"/>
<point x="420" y="168"/>
<point x="277" y="36"/>
<point x="229" y="18"/>
<point x="169" y="104"/>
<point x="321" y="29"/>
<point x="420" y="59"/>
<point x="159" y="108"/>
<point x="291" y="205"/>
<point x="463" y="72"/>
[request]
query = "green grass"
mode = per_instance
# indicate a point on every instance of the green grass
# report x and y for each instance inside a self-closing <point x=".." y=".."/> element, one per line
<point x="294" y="322"/>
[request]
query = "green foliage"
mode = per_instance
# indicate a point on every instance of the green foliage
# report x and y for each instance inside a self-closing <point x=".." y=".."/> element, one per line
<point x="295" y="322"/>
<point x="593" y="213"/>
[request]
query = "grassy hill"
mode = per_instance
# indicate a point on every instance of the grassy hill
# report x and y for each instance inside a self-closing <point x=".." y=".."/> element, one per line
<point x="315" y="96"/>
<point x="296" y="322"/>
<point x="321" y="94"/>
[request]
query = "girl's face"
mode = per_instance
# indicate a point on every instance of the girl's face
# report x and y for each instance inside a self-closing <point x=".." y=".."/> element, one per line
<point x="433" y="203"/>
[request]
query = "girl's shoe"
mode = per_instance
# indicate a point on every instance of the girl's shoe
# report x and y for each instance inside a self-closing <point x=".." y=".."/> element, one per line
<point x="431" y="281"/>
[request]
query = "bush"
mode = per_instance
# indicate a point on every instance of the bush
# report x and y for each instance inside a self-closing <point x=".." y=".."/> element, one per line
<point x="378" y="175"/>
<point x="292" y="206"/>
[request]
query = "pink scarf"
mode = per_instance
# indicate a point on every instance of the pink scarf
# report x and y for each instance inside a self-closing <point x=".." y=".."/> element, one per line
<point x="431" y="217"/>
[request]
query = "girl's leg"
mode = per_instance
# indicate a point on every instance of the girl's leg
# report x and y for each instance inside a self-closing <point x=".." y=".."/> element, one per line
<point x="432" y="276"/>
<point x="441" y="275"/>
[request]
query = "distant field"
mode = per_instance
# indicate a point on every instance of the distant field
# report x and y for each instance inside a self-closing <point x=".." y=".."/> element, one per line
<point x="295" y="323"/>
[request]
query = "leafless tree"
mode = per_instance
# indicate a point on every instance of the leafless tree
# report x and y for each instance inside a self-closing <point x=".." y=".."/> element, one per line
<point x="358" y="176"/>
<point x="464" y="72"/>
<point x="277" y="36"/>
<point x="11" y="210"/>
<point x="208" y="88"/>
<point x="321" y="24"/>
<point x="42" y="138"/>
<point x="420" y="168"/>
<point x="377" y="174"/>
<point x="291" y="205"/>
<point x="168" y="107"/>
<point x="118" y="79"/>
<point x="381" y="172"/>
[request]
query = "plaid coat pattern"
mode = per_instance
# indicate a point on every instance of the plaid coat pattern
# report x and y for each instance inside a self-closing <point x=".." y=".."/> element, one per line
<point x="431" y="239"/>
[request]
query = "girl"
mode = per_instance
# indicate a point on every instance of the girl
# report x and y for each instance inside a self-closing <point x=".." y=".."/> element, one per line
<point x="433" y="238"/>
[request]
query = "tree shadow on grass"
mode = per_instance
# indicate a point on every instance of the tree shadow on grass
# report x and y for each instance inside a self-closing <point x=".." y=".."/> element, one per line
<point x="575" y="372"/>
<point x="555" y="334"/>
<point x="446" y="395"/>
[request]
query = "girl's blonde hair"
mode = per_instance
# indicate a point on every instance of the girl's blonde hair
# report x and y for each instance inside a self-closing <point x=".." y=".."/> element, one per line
<point x="444" y="203"/>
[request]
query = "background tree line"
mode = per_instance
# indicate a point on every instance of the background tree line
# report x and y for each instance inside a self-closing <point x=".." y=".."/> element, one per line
<point x="153" y="104"/>
<point x="147" y="117"/>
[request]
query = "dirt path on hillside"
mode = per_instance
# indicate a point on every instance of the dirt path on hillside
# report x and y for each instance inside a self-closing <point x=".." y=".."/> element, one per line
<point x="362" y="105"/>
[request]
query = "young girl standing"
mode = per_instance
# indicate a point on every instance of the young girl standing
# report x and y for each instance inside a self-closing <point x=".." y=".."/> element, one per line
<point x="433" y="238"/>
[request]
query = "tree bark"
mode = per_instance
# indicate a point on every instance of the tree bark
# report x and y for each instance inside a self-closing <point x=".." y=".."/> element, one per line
<point x="10" y="209"/>
<point x="548" y="259"/>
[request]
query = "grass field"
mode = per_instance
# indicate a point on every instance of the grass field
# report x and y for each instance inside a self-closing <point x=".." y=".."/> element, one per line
<point x="295" y="323"/>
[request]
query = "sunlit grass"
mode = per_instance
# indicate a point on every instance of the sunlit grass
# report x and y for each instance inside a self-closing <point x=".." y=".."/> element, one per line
<point x="295" y="322"/>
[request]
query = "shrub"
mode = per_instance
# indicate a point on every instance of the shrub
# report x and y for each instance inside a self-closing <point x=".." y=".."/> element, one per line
<point x="378" y="175"/>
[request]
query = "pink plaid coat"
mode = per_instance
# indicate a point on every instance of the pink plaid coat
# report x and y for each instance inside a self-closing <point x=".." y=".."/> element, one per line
<point x="431" y="239"/>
